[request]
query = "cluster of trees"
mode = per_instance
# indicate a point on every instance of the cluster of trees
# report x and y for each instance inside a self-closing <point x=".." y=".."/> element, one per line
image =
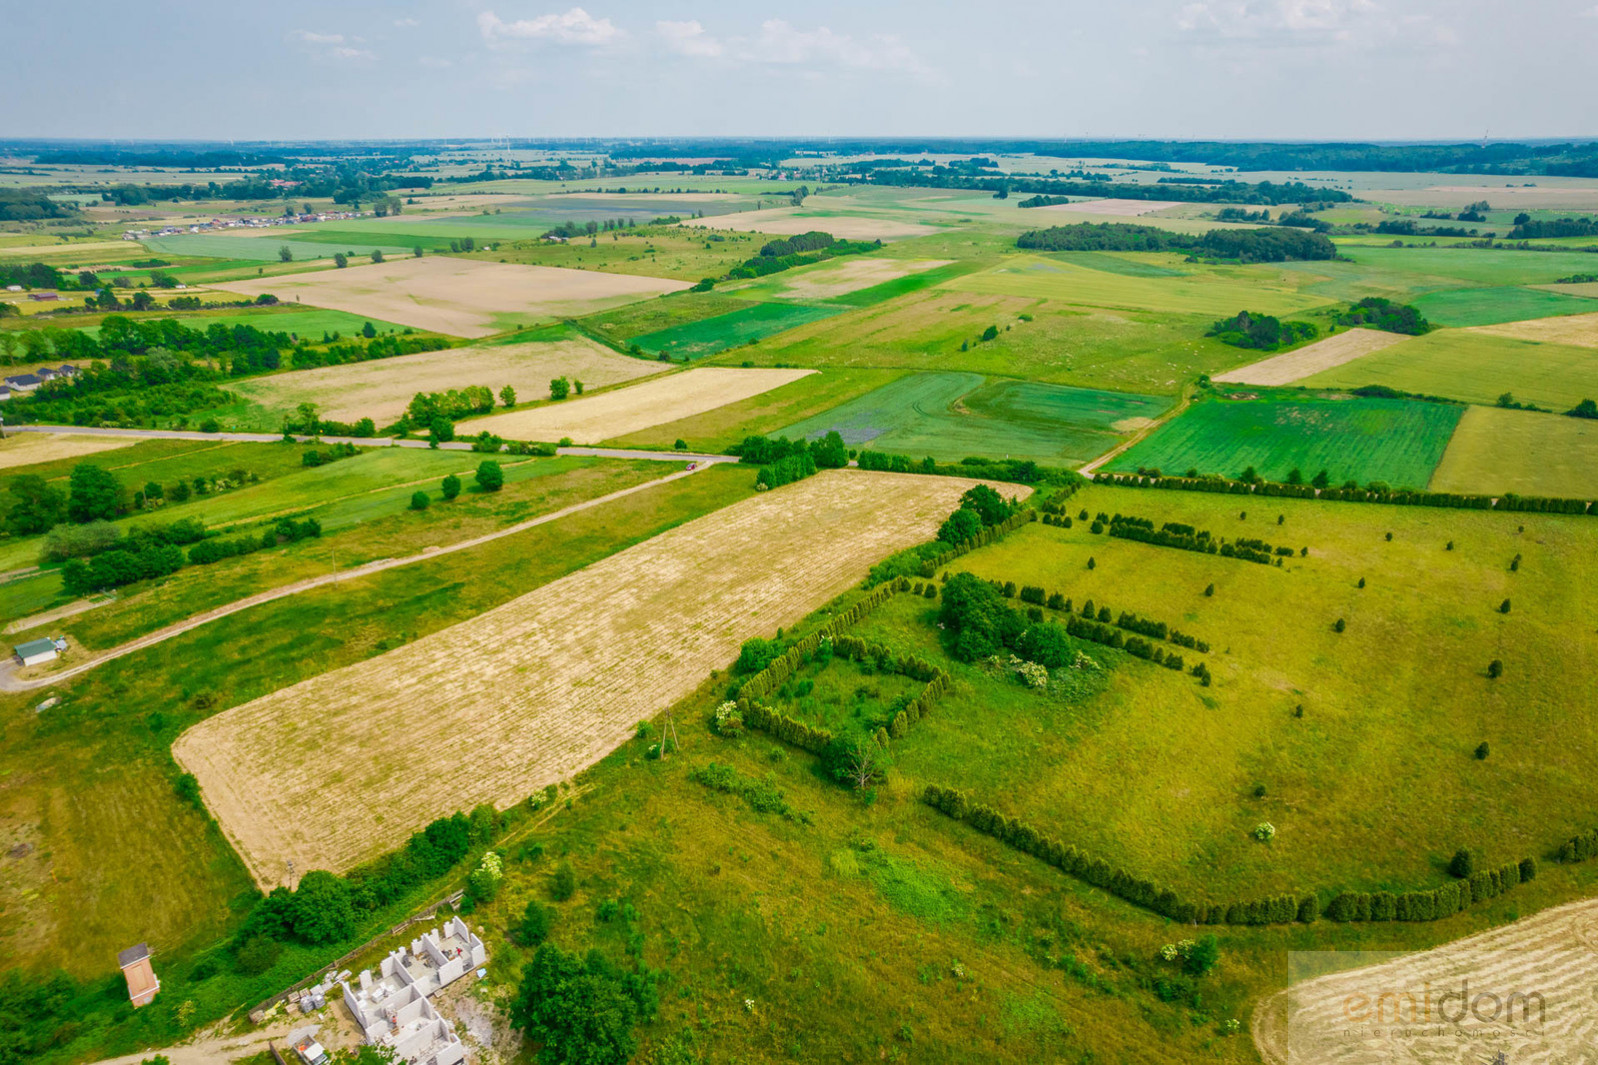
<point x="981" y="508"/>
<point x="1350" y="492"/>
<point x="427" y="407"/>
<point x="1261" y="332"/>
<point x="1579" y="848"/>
<point x="1408" y="228"/>
<point x="781" y="666"/>
<point x="802" y="250"/>
<point x="32" y="205"/>
<point x="762" y="795"/>
<point x="1187" y="538"/>
<point x="1378" y="312"/>
<point x="1558" y="227"/>
<point x="1243" y="245"/>
<point x="583" y="1008"/>
<point x="284" y="530"/>
<point x="1050" y="191"/>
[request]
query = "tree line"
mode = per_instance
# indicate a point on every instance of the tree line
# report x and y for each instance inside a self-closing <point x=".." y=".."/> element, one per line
<point x="1242" y="245"/>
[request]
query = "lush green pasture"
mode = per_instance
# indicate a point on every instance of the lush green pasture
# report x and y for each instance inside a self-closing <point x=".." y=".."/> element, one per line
<point x="767" y="413"/>
<point x="310" y="323"/>
<point x="1476" y="367"/>
<point x="624" y="324"/>
<point x="711" y="335"/>
<point x="1490" y="306"/>
<point x="1398" y="442"/>
<point x="952" y="415"/>
<point x="1209" y="290"/>
<point x="1159" y="774"/>
<point x="1497" y="450"/>
<point x="90" y="783"/>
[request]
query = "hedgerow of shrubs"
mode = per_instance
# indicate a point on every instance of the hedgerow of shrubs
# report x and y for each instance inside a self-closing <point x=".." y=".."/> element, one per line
<point x="1375" y="492"/>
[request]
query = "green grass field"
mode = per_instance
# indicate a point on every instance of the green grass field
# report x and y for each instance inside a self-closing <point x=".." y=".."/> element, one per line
<point x="1496" y="450"/>
<point x="1490" y="306"/>
<point x="711" y="335"/>
<point x="658" y="251"/>
<point x="625" y="324"/>
<point x="263" y="248"/>
<point x="1398" y="442"/>
<point x="1475" y="367"/>
<point x="954" y="415"/>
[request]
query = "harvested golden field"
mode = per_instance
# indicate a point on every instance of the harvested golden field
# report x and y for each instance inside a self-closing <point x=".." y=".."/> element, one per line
<point x="1311" y="359"/>
<point x="591" y="419"/>
<point x="344" y="766"/>
<point x="1529" y="997"/>
<point x="1114" y="208"/>
<point x="25" y="449"/>
<point x="850" y="275"/>
<point x="1578" y="329"/>
<point x="787" y="221"/>
<point x="381" y="389"/>
<point x="461" y="297"/>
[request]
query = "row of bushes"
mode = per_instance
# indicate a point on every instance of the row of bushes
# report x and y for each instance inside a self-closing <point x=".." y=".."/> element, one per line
<point x="786" y="471"/>
<point x="933" y="563"/>
<point x="1374" y="493"/>
<point x="1018" y="471"/>
<point x="936" y="680"/>
<point x="1127" y="620"/>
<point x="284" y="530"/>
<point x="1198" y="540"/>
<point x="1433" y="904"/>
<point x="112" y="569"/>
<point x="782" y="667"/>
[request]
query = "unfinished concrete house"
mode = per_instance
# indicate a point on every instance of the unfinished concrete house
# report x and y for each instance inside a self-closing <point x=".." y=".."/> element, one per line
<point x="393" y="1008"/>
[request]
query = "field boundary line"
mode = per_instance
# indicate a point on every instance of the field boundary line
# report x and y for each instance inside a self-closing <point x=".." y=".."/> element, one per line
<point x="1139" y="436"/>
<point x="10" y="682"/>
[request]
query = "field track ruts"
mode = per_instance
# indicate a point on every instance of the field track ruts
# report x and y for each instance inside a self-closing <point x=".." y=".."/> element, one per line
<point x="1554" y="953"/>
<point x="345" y="766"/>
<point x="9" y="681"/>
<point x="1311" y="359"/>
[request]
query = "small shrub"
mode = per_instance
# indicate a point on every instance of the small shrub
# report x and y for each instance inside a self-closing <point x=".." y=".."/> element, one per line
<point x="1209" y="591"/>
<point x="1264" y="831"/>
<point x="1495" y="669"/>
<point x="1462" y="864"/>
<point x="563" y="883"/>
<point x="1503" y="608"/>
<point x="1340" y="625"/>
<point x="419" y="500"/>
<point x="1482" y="751"/>
<point x="534" y="926"/>
<point x="451" y="486"/>
<point x="729" y="721"/>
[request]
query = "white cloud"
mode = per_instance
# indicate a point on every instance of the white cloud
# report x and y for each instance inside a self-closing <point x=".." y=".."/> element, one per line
<point x="319" y="38"/>
<point x="574" y="27"/>
<point x="779" y="43"/>
<point x="345" y="52"/>
<point x="1282" y="20"/>
<point x="332" y="45"/>
<point x="689" y="38"/>
<point x="406" y="23"/>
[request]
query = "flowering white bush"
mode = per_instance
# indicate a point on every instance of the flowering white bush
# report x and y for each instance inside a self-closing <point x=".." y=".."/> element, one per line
<point x="485" y="879"/>
<point x="1178" y="951"/>
<point x="729" y="721"/>
<point x="1265" y="832"/>
<point x="1082" y="661"/>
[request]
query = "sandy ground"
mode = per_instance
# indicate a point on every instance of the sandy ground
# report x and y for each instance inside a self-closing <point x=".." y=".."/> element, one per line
<point x="1580" y="330"/>
<point x="1330" y="1019"/>
<point x="852" y="275"/>
<point x="1112" y="207"/>
<point x="590" y="419"/>
<point x="344" y="766"/>
<point x="1311" y="359"/>
<point x="381" y="389"/>
<point x="1587" y="289"/>
<point x="786" y="221"/>
<point x="27" y="449"/>
<point x="462" y="297"/>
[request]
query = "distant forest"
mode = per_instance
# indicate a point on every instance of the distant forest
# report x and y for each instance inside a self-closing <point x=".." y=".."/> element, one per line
<point x="1272" y="245"/>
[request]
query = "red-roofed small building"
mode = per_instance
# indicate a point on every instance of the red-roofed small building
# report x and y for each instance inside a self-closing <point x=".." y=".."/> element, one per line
<point x="142" y="981"/>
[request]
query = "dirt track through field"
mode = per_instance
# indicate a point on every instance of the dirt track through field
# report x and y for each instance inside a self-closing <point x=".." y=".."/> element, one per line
<point x="1329" y="1020"/>
<point x="345" y="766"/>
<point x="590" y="419"/>
<point x="1311" y="359"/>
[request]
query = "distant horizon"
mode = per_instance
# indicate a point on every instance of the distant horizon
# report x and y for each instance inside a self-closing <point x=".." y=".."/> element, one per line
<point x="533" y="142"/>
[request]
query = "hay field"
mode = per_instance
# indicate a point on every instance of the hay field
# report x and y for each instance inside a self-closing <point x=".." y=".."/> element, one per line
<point x="787" y="221"/>
<point x="344" y="766"/>
<point x="1551" y="955"/>
<point x="381" y="389"/>
<point x="1496" y="450"/>
<point x="1578" y="329"/>
<point x="463" y="297"/>
<point x="591" y="419"/>
<point x="830" y="279"/>
<point x="1312" y="358"/>
<point x="1115" y="208"/>
<point x="25" y="449"/>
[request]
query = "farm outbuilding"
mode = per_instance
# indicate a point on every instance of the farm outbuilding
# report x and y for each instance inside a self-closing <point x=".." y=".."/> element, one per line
<point x="140" y="974"/>
<point x="36" y="651"/>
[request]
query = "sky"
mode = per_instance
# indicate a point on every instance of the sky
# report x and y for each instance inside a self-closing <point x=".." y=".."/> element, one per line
<point x="1194" y="69"/>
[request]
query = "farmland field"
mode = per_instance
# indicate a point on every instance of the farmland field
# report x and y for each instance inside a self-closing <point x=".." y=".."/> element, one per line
<point x="28" y="449"/>
<point x="1311" y="359"/>
<point x="952" y="415"/>
<point x="1490" y="306"/>
<point x="1475" y="366"/>
<point x="710" y="335"/>
<point x="460" y="296"/>
<point x="381" y="388"/>
<point x="1531" y="454"/>
<point x="1578" y="329"/>
<point x="834" y="278"/>
<point x="590" y="419"/>
<point x="1397" y="442"/>
<point x="691" y="585"/>
<point x="264" y="247"/>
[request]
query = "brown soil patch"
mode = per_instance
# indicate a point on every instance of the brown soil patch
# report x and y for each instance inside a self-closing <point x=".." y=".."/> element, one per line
<point x="25" y="449"/>
<point x="345" y="766"/>
<point x="462" y="297"/>
<point x="1311" y="359"/>
<point x="1580" y="330"/>
<point x="381" y="389"/>
<point x="591" y="419"/>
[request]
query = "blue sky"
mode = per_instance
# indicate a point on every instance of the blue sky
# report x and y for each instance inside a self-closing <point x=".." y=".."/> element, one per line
<point x="1303" y="69"/>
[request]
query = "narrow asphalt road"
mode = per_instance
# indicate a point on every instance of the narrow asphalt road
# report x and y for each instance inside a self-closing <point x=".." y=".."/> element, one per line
<point x="9" y="681"/>
<point x="359" y="441"/>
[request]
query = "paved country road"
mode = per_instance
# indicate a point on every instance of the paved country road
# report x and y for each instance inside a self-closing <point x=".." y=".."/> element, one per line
<point x="359" y="441"/>
<point x="9" y="681"/>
